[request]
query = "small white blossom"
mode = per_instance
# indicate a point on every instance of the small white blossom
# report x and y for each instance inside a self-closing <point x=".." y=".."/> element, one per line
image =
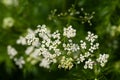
<point x="54" y="44"/>
<point x="87" y="54"/>
<point x="71" y="46"/>
<point x="29" y="50"/>
<point x="35" y="53"/>
<point x="8" y="22"/>
<point x="83" y="44"/>
<point x="57" y="52"/>
<point x="94" y="47"/>
<point x="45" y="63"/>
<point x="80" y="59"/>
<point x="91" y="37"/>
<point x="30" y="37"/>
<point x="66" y="63"/>
<point x="89" y="64"/>
<point x="36" y="42"/>
<point x="48" y="42"/>
<point x="19" y="62"/>
<point x="103" y="59"/>
<point x="43" y="32"/>
<point x="11" y="51"/>
<point x="47" y="55"/>
<point x="56" y="35"/>
<point x="21" y="40"/>
<point x="69" y="32"/>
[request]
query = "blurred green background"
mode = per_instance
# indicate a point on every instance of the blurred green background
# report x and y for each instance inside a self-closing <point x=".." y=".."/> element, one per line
<point x="29" y="13"/>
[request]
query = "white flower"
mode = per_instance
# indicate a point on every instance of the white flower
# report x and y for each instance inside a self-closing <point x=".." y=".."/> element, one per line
<point x="55" y="43"/>
<point x="91" y="37"/>
<point x="94" y="47"/>
<point x="21" y="40"/>
<point x="45" y="63"/>
<point x="35" y="53"/>
<point x="11" y="51"/>
<point x="87" y="54"/>
<point x="71" y="46"/>
<point x="19" y="62"/>
<point x="43" y="32"/>
<point x="57" y="52"/>
<point x="8" y="22"/>
<point x="83" y="44"/>
<point x="89" y="64"/>
<point x="66" y="63"/>
<point x="80" y="59"/>
<point x="48" y="42"/>
<point x="103" y="59"/>
<point x="56" y="34"/>
<point x="36" y="42"/>
<point x="29" y="50"/>
<point x="69" y="32"/>
<point x="30" y="37"/>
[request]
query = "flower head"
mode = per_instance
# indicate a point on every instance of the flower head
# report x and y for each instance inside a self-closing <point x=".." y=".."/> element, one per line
<point x="102" y="59"/>
<point x="19" y="62"/>
<point x="89" y="64"/>
<point x="47" y="48"/>
<point x="66" y="63"/>
<point x="8" y="22"/>
<point x="11" y="51"/>
<point x="69" y="32"/>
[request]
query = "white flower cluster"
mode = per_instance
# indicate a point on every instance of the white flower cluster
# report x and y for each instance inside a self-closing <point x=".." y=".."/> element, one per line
<point x="102" y="59"/>
<point x="69" y="32"/>
<point x="66" y="63"/>
<point x="83" y="44"/>
<point x="89" y="64"/>
<point x="12" y="53"/>
<point x="19" y="61"/>
<point x="8" y="22"/>
<point x="48" y="48"/>
<point x="71" y="47"/>
<point x="91" y="37"/>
